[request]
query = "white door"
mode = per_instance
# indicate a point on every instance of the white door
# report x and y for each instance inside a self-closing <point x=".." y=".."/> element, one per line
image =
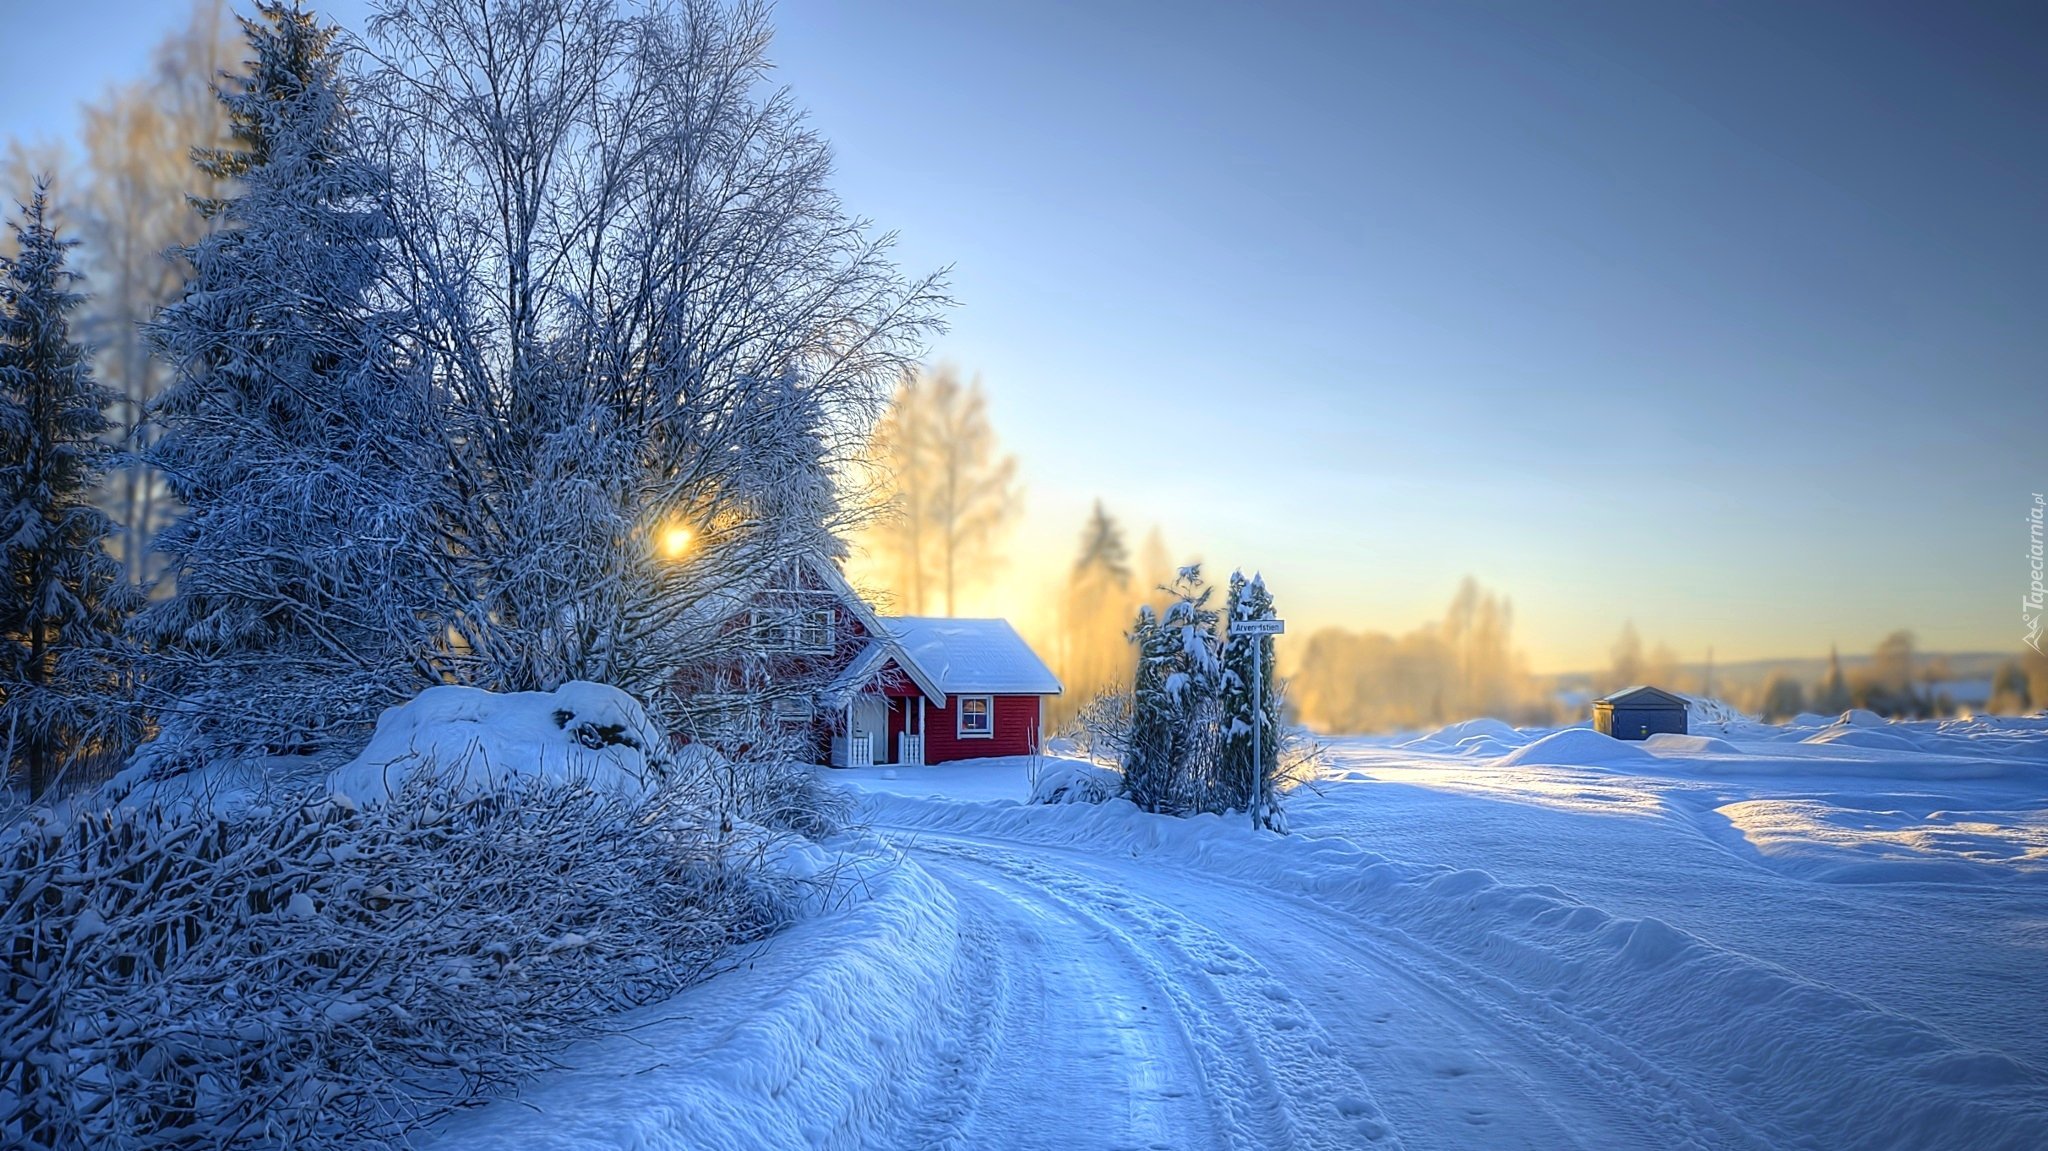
<point x="871" y="723"/>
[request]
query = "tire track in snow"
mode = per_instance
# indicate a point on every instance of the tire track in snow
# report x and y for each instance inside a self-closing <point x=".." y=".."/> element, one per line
<point x="1541" y="1054"/>
<point x="1269" y="1073"/>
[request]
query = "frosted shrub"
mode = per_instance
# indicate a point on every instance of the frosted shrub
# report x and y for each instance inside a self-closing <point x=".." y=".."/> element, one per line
<point x="1069" y="782"/>
<point x="1102" y="728"/>
<point x="318" y="975"/>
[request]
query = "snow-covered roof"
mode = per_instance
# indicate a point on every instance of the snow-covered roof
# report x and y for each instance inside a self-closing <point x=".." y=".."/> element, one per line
<point x="972" y="655"/>
<point x="1643" y="696"/>
<point x="866" y="669"/>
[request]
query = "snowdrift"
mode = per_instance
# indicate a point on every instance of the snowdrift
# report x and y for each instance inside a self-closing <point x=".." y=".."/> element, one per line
<point x="1666" y="743"/>
<point x="1574" y="747"/>
<point x="475" y="741"/>
<point x="817" y="1048"/>
<point x="1452" y="735"/>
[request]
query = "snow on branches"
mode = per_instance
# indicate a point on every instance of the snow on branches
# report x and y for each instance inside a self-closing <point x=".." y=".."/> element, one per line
<point x="311" y="973"/>
<point x="62" y="602"/>
<point x="293" y="434"/>
<point x="1184" y="732"/>
<point x="643" y="308"/>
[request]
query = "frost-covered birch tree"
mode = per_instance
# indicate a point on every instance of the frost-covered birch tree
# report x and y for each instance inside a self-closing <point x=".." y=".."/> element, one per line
<point x="653" y="329"/>
<point x="62" y="602"/>
<point x="134" y="212"/>
<point x="951" y="494"/>
<point x="293" y="435"/>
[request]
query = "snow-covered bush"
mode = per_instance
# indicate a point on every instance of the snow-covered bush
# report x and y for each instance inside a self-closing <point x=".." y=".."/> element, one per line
<point x="490" y="877"/>
<point x="327" y="975"/>
<point x="783" y="793"/>
<point x="1071" y="781"/>
<point x="1102" y="728"/>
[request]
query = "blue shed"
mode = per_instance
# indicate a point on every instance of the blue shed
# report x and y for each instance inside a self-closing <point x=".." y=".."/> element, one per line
<point x="1638" y="713"/>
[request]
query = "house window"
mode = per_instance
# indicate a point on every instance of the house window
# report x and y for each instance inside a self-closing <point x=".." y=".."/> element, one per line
<point x="718" y="718"/>
<point x="806" y="630"/>
<point x="814" y="633"/>
<point x="977" y="717"/>
<point x="793" y="709"/>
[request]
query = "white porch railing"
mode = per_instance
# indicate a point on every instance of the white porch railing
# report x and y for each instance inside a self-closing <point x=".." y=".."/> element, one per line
<point x="858" y="751"/>
<point x="910" y="750"/>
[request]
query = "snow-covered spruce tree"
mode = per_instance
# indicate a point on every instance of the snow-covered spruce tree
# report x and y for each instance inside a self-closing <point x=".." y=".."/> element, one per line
<point x="62" y="604"/>
<point x="1194" y="684"/>
<point x="1250" y="784"/>
<point x="1147" y="759"/>
<point x="648" y="315"/>
<point x="294" y="434"/>
<point x="1172" y="761"/>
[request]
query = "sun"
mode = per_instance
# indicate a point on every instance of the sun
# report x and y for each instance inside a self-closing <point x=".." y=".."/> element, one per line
<point x="676" y="540"/>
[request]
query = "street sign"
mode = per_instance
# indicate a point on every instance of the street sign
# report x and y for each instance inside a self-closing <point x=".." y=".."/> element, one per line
<point x="1258" y="626"/>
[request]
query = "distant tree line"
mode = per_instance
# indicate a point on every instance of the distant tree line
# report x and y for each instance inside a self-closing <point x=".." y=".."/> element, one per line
<point x="1462" y="666"/>
<point x="1899" y="683"/>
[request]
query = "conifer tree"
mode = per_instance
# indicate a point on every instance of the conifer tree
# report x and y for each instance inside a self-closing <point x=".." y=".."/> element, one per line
<point x="1148" y="766"/>
<point x="1250" y="783"/>
<point x="62" y="602"/>
<point x="1176" y="703"/>
<point x="1194" y="685"/>
<point x="1093" y="659"/>
<point x="291" y="433"/>
<point x="1832" y="696"/>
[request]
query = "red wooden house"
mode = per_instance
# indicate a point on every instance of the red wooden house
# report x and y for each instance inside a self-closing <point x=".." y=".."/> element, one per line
<point x="814" y="666"/>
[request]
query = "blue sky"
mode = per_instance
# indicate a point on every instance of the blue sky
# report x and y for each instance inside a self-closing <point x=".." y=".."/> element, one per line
<point x="1723" y="318"/>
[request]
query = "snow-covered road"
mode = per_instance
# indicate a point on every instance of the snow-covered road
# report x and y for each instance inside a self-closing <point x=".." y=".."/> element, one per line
<point x="1151" y="1006"/>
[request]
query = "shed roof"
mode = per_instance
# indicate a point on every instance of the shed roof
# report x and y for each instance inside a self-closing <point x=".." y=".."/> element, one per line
<point x="972" y="655"/>
<point x="1643" y="696"/>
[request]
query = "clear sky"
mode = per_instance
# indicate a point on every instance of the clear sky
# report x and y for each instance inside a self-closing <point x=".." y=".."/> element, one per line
<point x="1725" y="318"/>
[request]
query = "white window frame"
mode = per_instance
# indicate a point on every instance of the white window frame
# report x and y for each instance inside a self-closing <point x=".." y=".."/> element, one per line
<point x="721" y="716"/>
<point x="960" y="729"/>
<point x="773" y="629"/>
<point x="816" y="620"/>
<point x="792" y="709"/>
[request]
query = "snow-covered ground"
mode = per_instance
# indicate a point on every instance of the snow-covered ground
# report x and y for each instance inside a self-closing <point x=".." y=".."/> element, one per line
<point x="1829" y="936"/>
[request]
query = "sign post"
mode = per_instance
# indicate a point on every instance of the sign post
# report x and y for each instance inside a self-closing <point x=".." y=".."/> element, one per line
<point x="1258" y="627"/>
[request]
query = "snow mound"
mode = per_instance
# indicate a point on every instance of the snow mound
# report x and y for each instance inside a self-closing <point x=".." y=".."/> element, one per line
<point x="1450" y="735"/>
<point x="1864" y="737"/>
<point x="1485" y="747"/>
<point x="1071" y="781"/>
<point x="1665" y="742"/>
<point x="1576" y="746"/>
<point x="1808" y="719"/>
<point x="477" y="740"/>
<point x="1859" y="717"/>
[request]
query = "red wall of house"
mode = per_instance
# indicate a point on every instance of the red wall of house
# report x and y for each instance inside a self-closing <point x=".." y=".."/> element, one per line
<point x="1016" y="730"/>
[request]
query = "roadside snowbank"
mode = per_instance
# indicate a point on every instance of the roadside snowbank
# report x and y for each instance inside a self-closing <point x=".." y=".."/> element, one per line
<point x="815" y="1042"/>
